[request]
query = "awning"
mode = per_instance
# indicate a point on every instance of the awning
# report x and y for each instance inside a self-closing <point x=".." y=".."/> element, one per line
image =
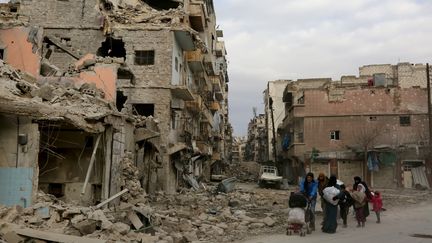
<point x="176" y="148"/>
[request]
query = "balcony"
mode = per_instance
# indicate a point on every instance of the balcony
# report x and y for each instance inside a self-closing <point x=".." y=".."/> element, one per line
<point x="195" y="60"/>
<point x="216" y="83"/>
<point x="196" y="105"/>
<point x="214" y="106"/>
<point x="185" y="40"/>
<point x="197" y="17"/>
<point x="296" y="111"/>
<point x="220" y="49"/>
<point x="182" y="92"/>
<point x="204" y="147"/>
<point x="209" y="65"/>
<point x="207" y="117"/>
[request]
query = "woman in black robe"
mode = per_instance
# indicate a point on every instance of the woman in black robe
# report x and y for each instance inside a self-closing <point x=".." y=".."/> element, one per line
<point x="330" y="221"/>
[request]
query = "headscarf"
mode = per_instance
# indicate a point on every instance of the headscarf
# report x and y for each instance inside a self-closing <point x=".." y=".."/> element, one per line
<point x="332" y="181"/>
<point x="361" y="188"/>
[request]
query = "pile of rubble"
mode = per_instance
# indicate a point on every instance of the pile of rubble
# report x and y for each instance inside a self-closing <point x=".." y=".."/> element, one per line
<point x="245" y="171"/>
<point x="191" y="216"/>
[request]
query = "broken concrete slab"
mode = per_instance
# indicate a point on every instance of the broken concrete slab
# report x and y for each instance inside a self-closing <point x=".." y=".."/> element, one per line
<point x="133" y="217"/>
<point x="122" y="228"/>
<point x="12" y="237"/>
<point x="86" y="227"/>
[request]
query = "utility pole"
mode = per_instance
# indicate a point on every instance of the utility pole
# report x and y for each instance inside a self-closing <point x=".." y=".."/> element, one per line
<point x="429" y="104"/>
<point x="273" y="129"/>
<point x="429" y="154"/>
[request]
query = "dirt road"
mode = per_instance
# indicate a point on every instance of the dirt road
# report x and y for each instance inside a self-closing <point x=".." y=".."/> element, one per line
<point x="398" y="225"/>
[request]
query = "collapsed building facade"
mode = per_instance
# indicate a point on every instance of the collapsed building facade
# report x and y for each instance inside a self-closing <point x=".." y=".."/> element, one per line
<point x="256" y="144"/>
<point x="238" y="149"/>
<point x="86" y="84"/>
<point x="374" y="126"/>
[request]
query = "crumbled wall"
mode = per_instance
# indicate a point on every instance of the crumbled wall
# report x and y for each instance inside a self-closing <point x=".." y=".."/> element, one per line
<point x="63" y="14"/>
<point x="161" y="41"/>
<point x="19" y="52"/>
<point x="84" y="40"/>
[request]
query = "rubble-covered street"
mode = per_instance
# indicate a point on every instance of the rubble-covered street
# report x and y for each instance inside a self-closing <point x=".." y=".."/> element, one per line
<point x="205" y="215"/>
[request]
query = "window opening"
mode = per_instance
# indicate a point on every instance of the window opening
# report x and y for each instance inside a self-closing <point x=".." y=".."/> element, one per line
<point x="335" y="135"/>
<point x="143" y="109"/>
<point x="120" y="100"/>
<point x="112" y="48"/>
<point x="405" y="120"/>
<point x="56" y="189"/>
<point x="144" y="57"/>
<point x="162" y="5"/>
<point x="2" y="54"/>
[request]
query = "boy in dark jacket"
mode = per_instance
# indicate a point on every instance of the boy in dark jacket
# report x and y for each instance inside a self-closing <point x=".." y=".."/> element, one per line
<point x="345" y="202"/>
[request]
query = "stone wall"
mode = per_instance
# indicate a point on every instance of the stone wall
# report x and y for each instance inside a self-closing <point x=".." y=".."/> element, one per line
<point x="63" y="14"/>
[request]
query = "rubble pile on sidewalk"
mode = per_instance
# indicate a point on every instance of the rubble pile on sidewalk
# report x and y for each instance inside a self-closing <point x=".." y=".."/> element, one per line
<point x="403" y="197"/>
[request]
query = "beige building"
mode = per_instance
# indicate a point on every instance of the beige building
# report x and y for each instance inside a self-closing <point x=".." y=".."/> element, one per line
<point x="374" y="126"/>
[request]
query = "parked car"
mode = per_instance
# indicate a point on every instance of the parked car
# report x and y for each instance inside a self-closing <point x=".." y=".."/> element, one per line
<point x="269" y="177"/>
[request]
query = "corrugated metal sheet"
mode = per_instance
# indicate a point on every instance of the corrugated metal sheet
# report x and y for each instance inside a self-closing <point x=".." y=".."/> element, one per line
<point x="419" y="176"/>
<point x="16" y="186"/>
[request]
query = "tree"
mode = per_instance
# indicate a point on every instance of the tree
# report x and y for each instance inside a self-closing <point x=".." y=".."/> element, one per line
<point x="366" y="137"/>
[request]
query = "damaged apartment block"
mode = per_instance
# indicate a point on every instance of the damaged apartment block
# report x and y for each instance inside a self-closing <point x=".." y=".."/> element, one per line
<point x="98" y="84"/>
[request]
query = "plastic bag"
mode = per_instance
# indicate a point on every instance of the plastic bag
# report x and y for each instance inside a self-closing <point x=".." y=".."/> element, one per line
<point x="329" y="193"/>
<point x="296" y="216"/>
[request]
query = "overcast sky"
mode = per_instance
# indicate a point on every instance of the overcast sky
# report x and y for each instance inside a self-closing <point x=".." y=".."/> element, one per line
<point x="291" y="39"/>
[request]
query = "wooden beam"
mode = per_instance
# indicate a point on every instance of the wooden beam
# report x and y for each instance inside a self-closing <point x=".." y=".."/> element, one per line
<point x="92" y="160"/>
<point x="111" y="198"/>
<point x="54" y="237"/>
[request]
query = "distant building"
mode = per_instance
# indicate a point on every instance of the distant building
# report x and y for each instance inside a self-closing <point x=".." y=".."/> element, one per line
<point x="256" y="145"/>
<point x="374" y="126"/>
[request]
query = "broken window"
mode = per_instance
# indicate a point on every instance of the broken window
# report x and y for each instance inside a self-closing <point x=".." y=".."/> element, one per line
<point x="335" y="135"/>
<point x="405" y="120"/>
<point x="143" y="109"/>
<point x="162" y="5"/>
<point x="126" y="75"/>
<point x="144" y="57"/>
<point x="112" y="47"/>
<point x="2" y="54"/>
<point x="120" y="100"/>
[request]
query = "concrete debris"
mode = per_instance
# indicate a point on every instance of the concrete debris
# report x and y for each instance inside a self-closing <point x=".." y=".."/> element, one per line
<point x="190" y="216"/>
<point x="130" y="180"/>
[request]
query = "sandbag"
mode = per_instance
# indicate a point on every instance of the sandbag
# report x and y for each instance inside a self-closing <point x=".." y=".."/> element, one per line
<point x="296" y="216"/>
<point x="329" y="193"/>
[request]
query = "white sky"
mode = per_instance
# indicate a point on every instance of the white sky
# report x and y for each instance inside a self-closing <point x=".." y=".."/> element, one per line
<point x="291" y="39"/>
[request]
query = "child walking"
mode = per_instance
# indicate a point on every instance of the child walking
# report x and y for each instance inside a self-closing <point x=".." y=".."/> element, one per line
<point x="377" y="205"/>
<point x="359" y="197"/>
<point x="345" y="203"/>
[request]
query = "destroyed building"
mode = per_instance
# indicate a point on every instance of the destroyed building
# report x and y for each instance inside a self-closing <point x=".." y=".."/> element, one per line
<point x="374" y="126"/>
<point x="256" y="144"/>
<point x="86" y="84"/>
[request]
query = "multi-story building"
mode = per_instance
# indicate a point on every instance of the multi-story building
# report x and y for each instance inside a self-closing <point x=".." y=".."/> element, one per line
<point x="256" y="145"/>
<point x="274" y="111"/>
<point x="374" y="126"/>
<point x="165" y="61"/>
<point x="238" y="149"/>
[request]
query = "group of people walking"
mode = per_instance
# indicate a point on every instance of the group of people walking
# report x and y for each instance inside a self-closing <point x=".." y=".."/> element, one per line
<point x="335" y="196"/>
